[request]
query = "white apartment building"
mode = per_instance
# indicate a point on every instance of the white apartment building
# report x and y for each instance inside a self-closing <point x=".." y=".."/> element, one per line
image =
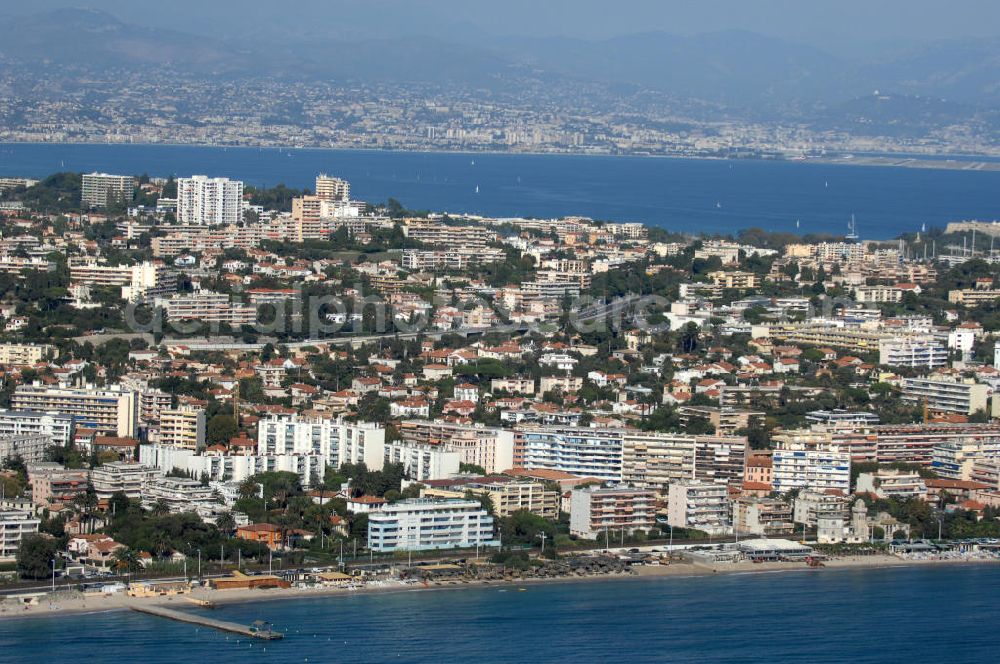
<point x="799" y="465"/>
<point x="913" y="352"/>
<point x="119" y="477"/>
<point x="209" y="201"/>
<point x="942" y="394"/>
<point x="138" y="283"/>
<point x="878" y="294"/>
<point x="208" y="307"/>
<point x="14" y="525"/>
<point x="699" y="505"/>
<point x="892" y="484"/>
<point x="102" y="189"/>
<point x="490" y="449"/>
<point x="58" y="428"/>
<point x="232" y="467"/>
<point x="329" y="188"/>
<point x="423" y="524"/>
<point x="110" y="410"/>
<point x="335" y="441"/>
<point x="809" y="506"/>
<point x="179" y="494"/>
<point x="183" y="427"/>
<point x="597" y="510"/>
<point x="656" y="460"/>
<point x="578" y="450"/>
<point x="423" y="462"/>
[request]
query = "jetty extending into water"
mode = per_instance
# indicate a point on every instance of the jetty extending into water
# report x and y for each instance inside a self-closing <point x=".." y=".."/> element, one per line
<point x="258" y="630"/>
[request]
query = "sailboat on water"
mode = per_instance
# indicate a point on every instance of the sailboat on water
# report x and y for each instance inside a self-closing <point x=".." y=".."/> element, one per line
<point x="852" y="229"/>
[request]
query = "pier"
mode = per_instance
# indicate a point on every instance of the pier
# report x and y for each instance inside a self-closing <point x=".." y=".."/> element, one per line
<point x="258" y="630"/>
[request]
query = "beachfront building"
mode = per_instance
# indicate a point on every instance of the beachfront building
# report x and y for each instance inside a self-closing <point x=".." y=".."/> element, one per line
<point x="810" y="506"/>
<point x="609" y="510"/>
<point x="699" y="505"/>
<point x="14" y="525"/>
<point x="422" y="524"/>
<point x="329" y="188"/>
<point x="656" y="460"/>
<point x="762" y="516"/>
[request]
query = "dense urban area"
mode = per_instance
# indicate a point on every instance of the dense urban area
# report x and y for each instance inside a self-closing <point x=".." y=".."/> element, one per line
<point x="210" y="385"/>
<point x="546" y="117"/>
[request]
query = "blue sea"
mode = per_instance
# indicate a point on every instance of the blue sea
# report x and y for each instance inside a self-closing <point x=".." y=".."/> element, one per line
<point x="693" y="195"/>
<point x="943" y="614"/>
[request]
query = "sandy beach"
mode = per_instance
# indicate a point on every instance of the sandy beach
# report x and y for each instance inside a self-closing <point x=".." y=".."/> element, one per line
<point x="63" y="603"/>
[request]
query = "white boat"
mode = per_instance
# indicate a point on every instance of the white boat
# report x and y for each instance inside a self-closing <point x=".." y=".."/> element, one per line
<point x="852" y="230"/>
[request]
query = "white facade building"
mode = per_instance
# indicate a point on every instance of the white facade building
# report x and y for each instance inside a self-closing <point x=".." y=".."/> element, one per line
<point x="58" y="427"/>
<point x="111" y="410"/>
<point x="423" y="462"/>
<point x="14" y="525"/>
<point x="912" y="352"/>
<point x="128" y="478"/>
<point x="334" y="440"/>
<point x="422" y="524"/>
<point x="699" y="505"/>
<point x="209" y="201"/>
<point x="811" y="466"/>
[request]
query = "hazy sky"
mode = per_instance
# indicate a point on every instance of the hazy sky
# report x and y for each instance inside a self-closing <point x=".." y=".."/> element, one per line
<point x="834" y="24"/>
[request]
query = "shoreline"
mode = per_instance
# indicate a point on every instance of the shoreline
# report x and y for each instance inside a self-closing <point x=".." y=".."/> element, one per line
<point x="944" y="161"/>
<point x="685" y="570"/>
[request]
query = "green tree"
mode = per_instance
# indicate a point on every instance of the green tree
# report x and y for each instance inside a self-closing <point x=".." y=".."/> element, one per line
<point x="220" y="429"/>
<point x="35" y="556"/>
<point x="127" y="560"/>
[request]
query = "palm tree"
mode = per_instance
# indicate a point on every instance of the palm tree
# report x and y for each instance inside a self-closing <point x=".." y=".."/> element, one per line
<point x="226" y="523"/>
<point x="127" y="560"/>
<point x="160" y="507"/>
<point x="249" y="489"/>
